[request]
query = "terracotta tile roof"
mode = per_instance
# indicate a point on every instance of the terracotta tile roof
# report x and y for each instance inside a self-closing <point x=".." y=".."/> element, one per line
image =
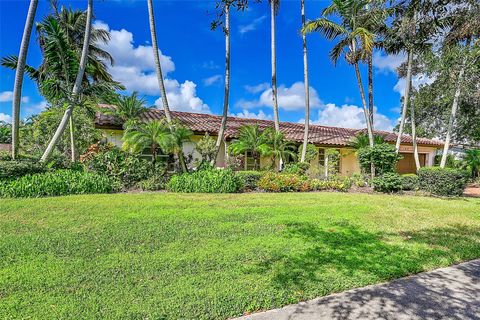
<point x="201" y="123"/>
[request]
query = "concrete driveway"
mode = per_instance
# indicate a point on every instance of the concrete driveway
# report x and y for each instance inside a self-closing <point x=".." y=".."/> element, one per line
<point x="448" y="293"/>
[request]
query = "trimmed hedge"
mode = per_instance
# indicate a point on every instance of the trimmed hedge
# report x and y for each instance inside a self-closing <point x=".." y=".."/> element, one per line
<point x="249" y="179"/>
<point x="17" y="169"/>
<point x="55" y="183"/>
<point x="387" y="183"/>
<point x="443" y="181"/>
<point x="410" y="181"/>
<point x="206" y="181"/>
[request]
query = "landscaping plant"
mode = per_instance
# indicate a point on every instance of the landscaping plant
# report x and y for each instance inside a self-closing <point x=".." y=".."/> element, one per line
<point x="443" y="181"/>
<point x="410" y="181"/>
<point x="383" y="157"/>
<point x="387" y="183"/>
<point x="249" y="179"/>
<point x="206" y="181"/>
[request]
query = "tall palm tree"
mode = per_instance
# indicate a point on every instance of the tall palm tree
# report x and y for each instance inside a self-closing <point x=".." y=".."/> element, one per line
<point x="274" y="6"/>
<point x="226" y="90"/>
<point x="414" y="132"/>
<point x="76" y="87"/>
<point x="153" y="135"/>
<point x="17" y="88"/>
<point x="251" y="139"/>
<point x="355" y="40"/>
<point x="306" y="83"/>
<point x="158" y="66"/>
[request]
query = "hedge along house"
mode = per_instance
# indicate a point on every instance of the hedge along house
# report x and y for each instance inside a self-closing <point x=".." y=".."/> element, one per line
<point x="322" y="137"/>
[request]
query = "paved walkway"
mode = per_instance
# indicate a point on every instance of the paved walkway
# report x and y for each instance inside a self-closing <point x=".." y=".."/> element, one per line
<point x="449" y="293"/>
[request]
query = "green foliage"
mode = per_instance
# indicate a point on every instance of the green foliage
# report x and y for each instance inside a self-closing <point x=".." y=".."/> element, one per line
<point x="5" y="132"/>
<point x="128" y="109"/>
<point x="154" y="183"/>
<point x="410" y="182"/>
<point x="251" y="139"/>
<point x="277" y="147"/>
<point x="124" y="169"/>
<point x="359" y="180"/>
<point x="296" y="168"/>
<point x="55" y="183"/>
<point x="472" y="159"/>
<point x="249" y="179"/>
<point x="281" y="182"/>
<point x="206" y="146"/>
<point x="311" y="153"/>
<point x="443" y="181"/>
<point x="383" y="157"/>
<point x="361" y="141"/>
<point x="206" y="181"/>
<point x="336" y="184"/>
<point x="387" y="183"/>
<point x="15" y="169"/>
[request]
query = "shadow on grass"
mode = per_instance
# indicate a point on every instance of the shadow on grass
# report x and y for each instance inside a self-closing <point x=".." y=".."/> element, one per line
<point x="345" y="256"/>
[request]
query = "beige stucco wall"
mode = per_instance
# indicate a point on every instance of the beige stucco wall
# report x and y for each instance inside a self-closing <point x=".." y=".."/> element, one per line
<point x="348" y="159"/>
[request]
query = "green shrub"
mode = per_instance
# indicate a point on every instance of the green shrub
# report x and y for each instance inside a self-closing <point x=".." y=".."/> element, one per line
<point x="443" y="181"/>
<point x="296" y="168"/>
<point x="249" y="179"/>
<point x="17" y="169"/>
<point x="409" y="181"/>
<point x="388" y="182"/>
<point x="207" y="181"/>
<point x="281" y="182"/>
<point x="359" y="180"/>
<point x="310" y="154"/>
<point x="154" y="183"/>
<point x="55" y="183"/>
<point x="383" y="157"/>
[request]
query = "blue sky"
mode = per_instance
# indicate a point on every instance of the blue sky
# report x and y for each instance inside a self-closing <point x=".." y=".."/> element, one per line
<point x="193" y="61"/>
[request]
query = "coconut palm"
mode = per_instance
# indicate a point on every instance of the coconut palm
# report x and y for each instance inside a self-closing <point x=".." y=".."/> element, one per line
<point x="277" y="147"/>
<point x="158" y="66"/>
<point x="306" y="84"/>
<point x="274" y="6"/>
<point x="251" y="139"/>
<point x="128" y="109"/>
<point x="356" y="41"/>
<point x="153" y="135"/>
<point x="17" y="88"/>
<point x="76" y="87"/>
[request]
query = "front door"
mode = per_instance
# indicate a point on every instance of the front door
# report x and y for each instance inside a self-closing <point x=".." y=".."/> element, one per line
<point x="407" y="164"/>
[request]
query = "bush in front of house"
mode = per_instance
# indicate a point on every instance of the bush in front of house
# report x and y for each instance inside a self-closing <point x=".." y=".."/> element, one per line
<point x="410" y="181"/>
<point x="55" y="183"/>
<point x="296" y="168"/>
<point x="388" y="182"/>
<point x="16" y="169"/>
<point x="154" y="183"/>
<point x="443" y="181"/>
<point x="249" y="179"/>
<point x="382" y="155"/>
<point x="206" y="181"/>
<point x="336" y="183"/>
<point x="281" y="182"/>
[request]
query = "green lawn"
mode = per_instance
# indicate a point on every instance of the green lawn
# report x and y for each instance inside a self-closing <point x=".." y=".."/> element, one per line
<point x="157" y="255"/>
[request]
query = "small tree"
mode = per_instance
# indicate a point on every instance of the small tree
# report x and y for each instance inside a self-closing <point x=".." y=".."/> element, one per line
<point x="207" y="149"/>
<point x="251" y="139"/>
<point x="383" y="156"/>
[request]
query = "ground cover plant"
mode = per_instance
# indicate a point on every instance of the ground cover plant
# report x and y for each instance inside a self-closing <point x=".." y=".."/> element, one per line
<point x="211" y="256"/>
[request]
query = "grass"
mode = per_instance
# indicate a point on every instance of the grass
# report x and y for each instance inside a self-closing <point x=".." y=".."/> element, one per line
<point x="196" y="256"/>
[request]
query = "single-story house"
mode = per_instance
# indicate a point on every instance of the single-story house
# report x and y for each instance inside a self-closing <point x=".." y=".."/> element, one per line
<point x="323" y="137"/>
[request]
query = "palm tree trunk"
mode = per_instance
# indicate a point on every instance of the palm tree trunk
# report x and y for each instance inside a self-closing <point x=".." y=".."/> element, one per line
<point x="226" y="92"/>
<point x="72" y="140"/>
<point x="158" y="66"/>
<point x="453" y="112"/>
<point x="307" y="87"/>
<point x="17" y="88"/>
<point x="414" y="134"/>
<point x="408" y="82"/>
<point x="76" y="87"/>
<point x="364" y="103"/>
<point x="370" y="90"/>
<point x="274" y="67"/>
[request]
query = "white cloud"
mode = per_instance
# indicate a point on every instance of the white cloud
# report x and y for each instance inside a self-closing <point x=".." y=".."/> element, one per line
<point x="212" y="80"/>
<point x="417" y="81"/>
<point x="183" y="97"/>
<point x="134" y="67"/>
<point x="251" y="26"/>
<point x="5" y="117"/>
<point x="289" y="98"/>
<point x="210" y="65"/>
<point x="35" y="108"/>
<point x="252" y="115"/>
<point x="7" y="96"/>
<point x="387" y="63"/>
<point x="258" y="88"/>
<point x="349" y="116"/>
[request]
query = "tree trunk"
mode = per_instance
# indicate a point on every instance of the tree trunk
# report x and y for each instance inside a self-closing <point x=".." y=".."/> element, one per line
<point x="226" y="92"/>
<point x="181" y="159"/>
<point x="370" y="91"/>
<point x="414" y="134"/>
<point x="453" y="113"/>
<point x="158" y="66"/>
<point x="17" y="88"/>
<point x="274" y="67"/>
<point x="408" y="82"/>
<point x="364" y="103"/>
<point x="76" y="87"/>
<point x="72" y="140"/>
<point x="307" y="88"/>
